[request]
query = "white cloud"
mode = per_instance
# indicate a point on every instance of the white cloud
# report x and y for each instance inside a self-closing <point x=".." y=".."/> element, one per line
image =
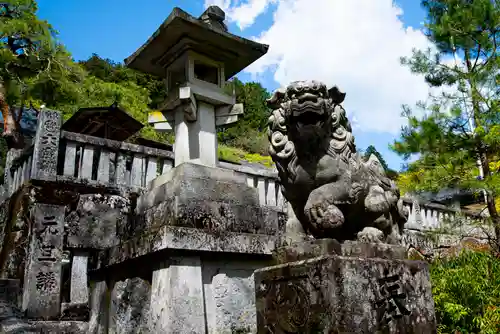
<point x="243" y="14"/>
<point x="355" y="44"/>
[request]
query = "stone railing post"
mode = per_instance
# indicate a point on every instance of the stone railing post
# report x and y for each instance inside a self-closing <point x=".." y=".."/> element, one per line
<point x="7" y="178"/>
<point x="46" y="148"/>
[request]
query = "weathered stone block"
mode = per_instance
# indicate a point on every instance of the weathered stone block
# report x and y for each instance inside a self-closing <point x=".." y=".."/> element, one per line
<point x="303" y="250"/>
<point x="214" y="200"/>
<point x="215" y="216"/>
<point x="187" y="239"/>
<point x="177" y="297"/>
<point x="230" y="295"/>
<point x="373" y="250"/>
<point x="97" y="221"/>
<point x="189" y="181"/>
<point x="337" y="294"/>
<point x="129" y="308"/>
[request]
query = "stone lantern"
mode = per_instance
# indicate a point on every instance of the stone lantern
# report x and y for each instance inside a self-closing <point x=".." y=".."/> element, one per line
<point x="196" y="56"/>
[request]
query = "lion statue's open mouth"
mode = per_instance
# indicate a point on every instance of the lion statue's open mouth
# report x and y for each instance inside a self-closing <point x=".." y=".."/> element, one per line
<point x="308" y="112"/>
<point x="332" y="191"/>
<point x="308" y="105"/>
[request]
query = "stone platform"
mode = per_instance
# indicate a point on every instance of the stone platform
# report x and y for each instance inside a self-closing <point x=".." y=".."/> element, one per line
<point x="360" y="293"/>
<point x="200" y="235"/>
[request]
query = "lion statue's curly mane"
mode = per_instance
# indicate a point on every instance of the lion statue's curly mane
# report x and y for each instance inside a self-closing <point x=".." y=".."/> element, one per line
<point x="333" y="192"/>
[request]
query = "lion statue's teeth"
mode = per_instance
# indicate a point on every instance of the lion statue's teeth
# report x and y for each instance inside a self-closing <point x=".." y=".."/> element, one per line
<point x="332" y="191"/>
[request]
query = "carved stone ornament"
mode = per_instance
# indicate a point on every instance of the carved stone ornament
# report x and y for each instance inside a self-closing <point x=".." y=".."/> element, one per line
<point x="290" y="306"/>
<point x="333" y="192"/>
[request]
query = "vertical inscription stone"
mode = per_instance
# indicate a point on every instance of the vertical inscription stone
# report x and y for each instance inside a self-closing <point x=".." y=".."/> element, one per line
<point x="391" y="304"/>
<point x="46" y="144"/>
<point x="41" y="295"/>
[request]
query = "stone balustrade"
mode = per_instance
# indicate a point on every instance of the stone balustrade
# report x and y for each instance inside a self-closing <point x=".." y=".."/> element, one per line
<point x="428" y="217"/>
<point x="265" y="180"/>
<point x="19" y="169"/>
<point x="102" y="162"/>
<point x="108" y="162"/>
<point x="433" y="229"/>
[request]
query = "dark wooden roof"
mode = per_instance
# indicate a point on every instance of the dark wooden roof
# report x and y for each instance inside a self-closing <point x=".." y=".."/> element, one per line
<point x="105" y="122"/>
<point x="234" y="51"/>
<point x="447" y="196"/>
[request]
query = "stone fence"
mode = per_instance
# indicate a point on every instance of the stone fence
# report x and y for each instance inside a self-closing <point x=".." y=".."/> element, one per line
<point x="100" y="162"/>
<point x="425" y="217"/>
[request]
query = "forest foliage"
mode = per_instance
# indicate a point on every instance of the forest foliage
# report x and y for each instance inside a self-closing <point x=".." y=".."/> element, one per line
<point x="466" y="291"/>
<point x="458" y="136"/>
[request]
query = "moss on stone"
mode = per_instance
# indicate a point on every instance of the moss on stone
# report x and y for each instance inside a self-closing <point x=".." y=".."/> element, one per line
<point x="237" y="155"/>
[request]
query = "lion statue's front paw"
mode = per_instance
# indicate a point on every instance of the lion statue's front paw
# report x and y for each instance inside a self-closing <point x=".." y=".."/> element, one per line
<point x="371" y="235"/>
<point x="323" y="215"/>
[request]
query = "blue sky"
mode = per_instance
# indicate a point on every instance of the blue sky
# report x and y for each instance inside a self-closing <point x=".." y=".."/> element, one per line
<point x="114" y="29"/>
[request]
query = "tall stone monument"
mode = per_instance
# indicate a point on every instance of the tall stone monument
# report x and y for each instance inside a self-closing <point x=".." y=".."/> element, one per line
<point x="347" y="274"/>
<point x="190" y="290"/>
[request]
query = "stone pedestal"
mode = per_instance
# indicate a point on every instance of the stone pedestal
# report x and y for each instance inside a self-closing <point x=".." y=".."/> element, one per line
<point x="177" y="297"/>
<point x="204" y="233"/>
<point x="342" y="294"/>
<point x="212" y="199"/>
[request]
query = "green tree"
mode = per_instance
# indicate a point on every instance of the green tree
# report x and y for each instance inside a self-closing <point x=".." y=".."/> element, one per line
<point x="31" y="63"/>
<point x="448" y="144"/>
<point x="248" y="133"/>
<point x="392" y="174"/>
<point x="110" y="71"/>
<point x="372" y="150"/>
<point x="466" y="291"/>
